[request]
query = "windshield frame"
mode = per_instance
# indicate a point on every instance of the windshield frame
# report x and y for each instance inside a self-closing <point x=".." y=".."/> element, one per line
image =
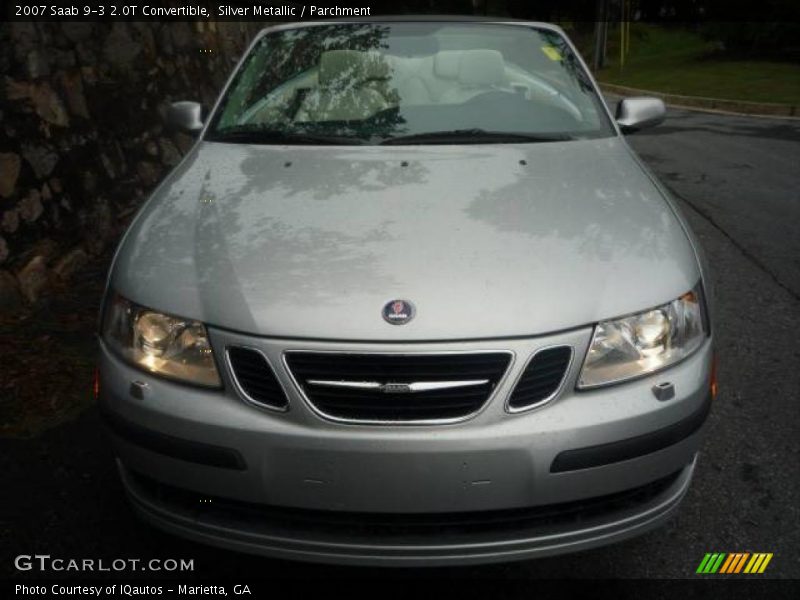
<point x="604" y="113"/>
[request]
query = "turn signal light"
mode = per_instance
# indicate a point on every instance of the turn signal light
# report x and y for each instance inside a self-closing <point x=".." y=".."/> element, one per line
<point x="96" y="383"/>
<point x="713" y="385"/>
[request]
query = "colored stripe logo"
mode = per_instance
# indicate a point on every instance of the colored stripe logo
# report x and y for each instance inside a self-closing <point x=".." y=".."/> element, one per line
<point x="734" y="562"/>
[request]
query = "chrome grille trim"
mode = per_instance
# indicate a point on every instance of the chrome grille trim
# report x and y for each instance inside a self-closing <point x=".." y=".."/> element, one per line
<point x="390" y="386"/>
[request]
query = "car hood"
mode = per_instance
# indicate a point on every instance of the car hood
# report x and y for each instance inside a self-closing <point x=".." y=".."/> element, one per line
<point x="485" y="240"/>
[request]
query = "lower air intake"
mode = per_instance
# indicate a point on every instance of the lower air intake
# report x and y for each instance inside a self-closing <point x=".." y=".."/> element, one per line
<point x="542" y="378"/>
<point x="255" y="378"/>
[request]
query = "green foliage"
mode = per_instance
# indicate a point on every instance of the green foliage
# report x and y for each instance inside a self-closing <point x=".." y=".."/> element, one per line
<point x="761" y="39"/>
<point x="680" y="61"/>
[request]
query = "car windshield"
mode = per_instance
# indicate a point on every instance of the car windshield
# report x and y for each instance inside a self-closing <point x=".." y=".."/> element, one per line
<point x="379" y="83"/>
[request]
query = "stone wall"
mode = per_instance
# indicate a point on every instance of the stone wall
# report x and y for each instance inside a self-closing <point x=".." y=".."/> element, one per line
<point x="82" y="136"/>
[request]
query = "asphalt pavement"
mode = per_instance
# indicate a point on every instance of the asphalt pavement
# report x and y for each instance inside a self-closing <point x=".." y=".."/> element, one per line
<point x="738" y="181"/>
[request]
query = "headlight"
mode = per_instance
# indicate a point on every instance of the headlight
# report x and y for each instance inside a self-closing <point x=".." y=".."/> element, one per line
<point x="644" y="343"/>
<point x="162" y="344"/>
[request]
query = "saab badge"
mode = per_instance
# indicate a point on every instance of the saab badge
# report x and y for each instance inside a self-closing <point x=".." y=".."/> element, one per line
<point x="398" y="312"/>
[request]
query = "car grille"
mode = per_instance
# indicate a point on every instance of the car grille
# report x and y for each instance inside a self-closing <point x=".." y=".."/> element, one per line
<point x="255" y="378"/>
<point x="542" y="378"/>
<point x="397" y="388"/>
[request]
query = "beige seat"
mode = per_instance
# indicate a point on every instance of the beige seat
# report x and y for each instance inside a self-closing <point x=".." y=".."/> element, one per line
<point x="352" y="86"/>
<point x="446" y="64"/>
<point x="408" y="82"/>
<point x="444" y="74"/>
<point x="477" y="71"/>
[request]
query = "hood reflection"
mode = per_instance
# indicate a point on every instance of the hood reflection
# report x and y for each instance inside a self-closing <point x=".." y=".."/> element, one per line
<point x="487" y="240"/>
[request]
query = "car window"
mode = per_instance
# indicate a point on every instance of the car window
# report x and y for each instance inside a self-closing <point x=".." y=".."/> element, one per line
<point x="373" y="82"/>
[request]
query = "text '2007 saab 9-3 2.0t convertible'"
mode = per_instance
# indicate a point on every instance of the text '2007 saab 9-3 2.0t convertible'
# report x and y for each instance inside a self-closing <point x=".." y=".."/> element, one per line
<point x="410" y="299"/>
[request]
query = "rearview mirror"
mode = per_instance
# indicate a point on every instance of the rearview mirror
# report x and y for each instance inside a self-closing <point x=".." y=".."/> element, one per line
<point x="185" y="116"/>
<point x="639" y="112"/>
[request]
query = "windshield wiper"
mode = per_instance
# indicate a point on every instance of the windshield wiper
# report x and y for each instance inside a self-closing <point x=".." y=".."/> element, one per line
<point x="276" y="136"/>
<point x="475" y="136"/>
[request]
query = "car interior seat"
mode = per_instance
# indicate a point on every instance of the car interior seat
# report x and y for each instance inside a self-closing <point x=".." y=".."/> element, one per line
<point x="352" y="85"/>
<point x="477" y="71"/>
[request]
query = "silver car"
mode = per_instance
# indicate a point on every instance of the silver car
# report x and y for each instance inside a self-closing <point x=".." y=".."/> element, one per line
<point x="411" y="299"/>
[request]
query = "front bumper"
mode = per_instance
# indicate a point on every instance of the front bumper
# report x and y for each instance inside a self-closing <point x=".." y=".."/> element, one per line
<point x="408" y="540"/>
<point x="208" y="446"/>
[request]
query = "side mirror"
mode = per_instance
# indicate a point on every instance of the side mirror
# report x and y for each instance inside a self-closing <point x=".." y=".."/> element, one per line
<point x="639" y="112"/>
<point x="185" y="116"/>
